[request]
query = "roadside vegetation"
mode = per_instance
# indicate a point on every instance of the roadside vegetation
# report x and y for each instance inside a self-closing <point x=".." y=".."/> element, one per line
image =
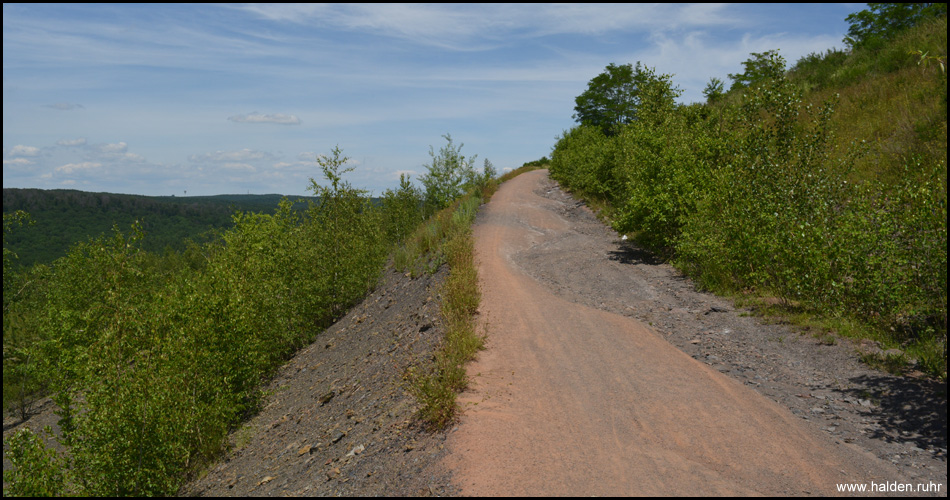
<point x="822" y="185"/>
<point x="153" y="359"/>
<point x="447" y="237"/>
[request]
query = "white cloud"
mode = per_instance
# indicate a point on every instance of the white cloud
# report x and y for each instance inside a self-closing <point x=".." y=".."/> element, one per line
<point x="240" y="156"/>
<point x="18" y="162"/>
<point x="65" y="106"/>
<point x="70" y="168"/>
<point x="132" y="157"/>
<point x="119" y="147"/>
<point x="479" y="27"/>
<point x="242" y="167"/>
<point x="256" y="117"/>
<point x="71" y="143"/>
<point x="695" y="57"/>
<point x="116" y="152"/>
<point x="20" y="150"/>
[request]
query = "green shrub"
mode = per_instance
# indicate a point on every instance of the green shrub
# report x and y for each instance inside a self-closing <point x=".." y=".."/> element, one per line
<point x="36" y="471"/>
<point x="153" y="361"/>
<point x="771" y="189"/>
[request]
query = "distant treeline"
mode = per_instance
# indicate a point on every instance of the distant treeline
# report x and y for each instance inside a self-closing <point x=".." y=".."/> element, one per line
<point x="63" y="217"/>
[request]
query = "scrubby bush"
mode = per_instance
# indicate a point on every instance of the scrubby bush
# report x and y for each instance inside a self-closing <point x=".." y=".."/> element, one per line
<point x="448" y="175"/>
<point x="757" y="191"/>
<point x="152" y="363"/>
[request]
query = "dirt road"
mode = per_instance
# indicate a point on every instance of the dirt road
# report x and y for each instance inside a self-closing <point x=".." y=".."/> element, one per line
<point x="572" y="400"/>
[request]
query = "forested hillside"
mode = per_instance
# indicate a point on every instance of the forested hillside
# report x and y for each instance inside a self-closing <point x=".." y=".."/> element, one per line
<point x="63" y="217"/>
<point x="822" y="185"/>
<point x="153" y="358"/>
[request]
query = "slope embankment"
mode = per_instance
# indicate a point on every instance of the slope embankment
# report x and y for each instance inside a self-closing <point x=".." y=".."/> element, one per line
<point x="340" y="418"/>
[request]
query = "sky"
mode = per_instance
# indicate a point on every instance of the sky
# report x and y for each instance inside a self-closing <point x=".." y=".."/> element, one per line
<point x="191" y="100"/>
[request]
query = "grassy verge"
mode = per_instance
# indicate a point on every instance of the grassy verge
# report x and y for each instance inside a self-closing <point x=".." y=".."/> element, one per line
<point x="447" y="238"/>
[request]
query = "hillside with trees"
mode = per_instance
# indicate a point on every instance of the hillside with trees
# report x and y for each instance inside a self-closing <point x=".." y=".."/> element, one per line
<point x="152" y="358"/>
<point x="822" y="185"/>
<point x="62" y="217"/>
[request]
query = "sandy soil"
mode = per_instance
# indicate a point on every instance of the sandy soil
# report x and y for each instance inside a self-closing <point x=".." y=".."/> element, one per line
<point x="576" y="396"/>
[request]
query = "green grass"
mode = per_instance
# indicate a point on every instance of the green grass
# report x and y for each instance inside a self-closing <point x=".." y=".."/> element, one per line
<point x="436" y="386"/>
<point x="447" y="237"/>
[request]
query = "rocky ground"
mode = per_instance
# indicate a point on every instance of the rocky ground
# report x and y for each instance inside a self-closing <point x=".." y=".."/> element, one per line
<point x="900" y="419"/>
<point x="341" y="420"/>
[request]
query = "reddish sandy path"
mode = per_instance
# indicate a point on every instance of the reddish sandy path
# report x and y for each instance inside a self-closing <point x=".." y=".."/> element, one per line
<point x="569" y="400"/>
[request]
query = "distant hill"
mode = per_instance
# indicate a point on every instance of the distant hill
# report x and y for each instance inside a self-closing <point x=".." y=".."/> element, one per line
<point x="66" y="216"/>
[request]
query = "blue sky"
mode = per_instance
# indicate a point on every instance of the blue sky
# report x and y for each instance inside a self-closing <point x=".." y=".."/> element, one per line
<point x="216" y="99"/>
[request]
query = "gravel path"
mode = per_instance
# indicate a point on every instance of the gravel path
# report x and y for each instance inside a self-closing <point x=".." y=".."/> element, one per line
<point x="608" y="373"/>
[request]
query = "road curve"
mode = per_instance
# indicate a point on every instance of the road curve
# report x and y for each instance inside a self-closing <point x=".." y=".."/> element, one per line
<point x="570" y="400"/>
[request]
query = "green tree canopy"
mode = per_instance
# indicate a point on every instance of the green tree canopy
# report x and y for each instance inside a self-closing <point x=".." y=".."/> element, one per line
<point x="761" y="67"/>
<point x="616" y="96"/>
<point x="447" y="176"/>
<point x="880" y="21"/>
<point x="714" y="90"/>
<point x="610" y="98"/>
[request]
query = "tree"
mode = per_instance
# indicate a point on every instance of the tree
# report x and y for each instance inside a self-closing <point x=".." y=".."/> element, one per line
<point x="616" y="96"/>
<point x="10" y="220"/>
<point x="872" y="27"/>
<point x="610" y="98"/>
<point x="402" y="209"/>
<point x="448" y="175"/>
<point x="761" y="67"/>
<point x="713" y="90"/>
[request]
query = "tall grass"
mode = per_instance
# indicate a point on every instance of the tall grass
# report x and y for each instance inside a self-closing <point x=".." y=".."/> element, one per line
<point x="437" y="386"/>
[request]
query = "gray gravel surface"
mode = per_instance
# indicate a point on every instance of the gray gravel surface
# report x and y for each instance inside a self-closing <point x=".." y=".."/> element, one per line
<point x="899" y="419"/>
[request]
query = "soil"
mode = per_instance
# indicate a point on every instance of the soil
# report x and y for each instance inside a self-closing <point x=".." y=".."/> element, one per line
<point x="606" y="372"/>
<point x="902" y="420"/>
<point x="341" y="420"/>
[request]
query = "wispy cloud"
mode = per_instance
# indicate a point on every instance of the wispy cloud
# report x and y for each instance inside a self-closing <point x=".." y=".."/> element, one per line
<point x="18" y="162"/>
<point x="70" y="168"/>
<point x="241" y="156"/>
<point x="157" y="83"/>
<point x="20" y="150"/>
<point x="65" y="106"/>
<point x="114" y="148"/>
<point x="482" y="27"/>
<point x="238" y="167"/>
<point x="70" y="143"/>
<point x="256" y="117"/>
